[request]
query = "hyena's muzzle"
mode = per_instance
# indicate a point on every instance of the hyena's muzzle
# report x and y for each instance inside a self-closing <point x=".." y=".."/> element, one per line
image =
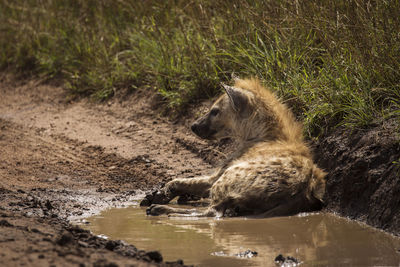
<point x="203" y="128"/>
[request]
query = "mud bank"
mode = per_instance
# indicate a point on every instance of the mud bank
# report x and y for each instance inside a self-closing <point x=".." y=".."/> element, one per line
<point x="63" y="160"/>
<point x="364" y="174"/>
<point x="32" y="234"/>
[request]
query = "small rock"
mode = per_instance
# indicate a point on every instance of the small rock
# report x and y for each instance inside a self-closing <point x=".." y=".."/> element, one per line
<point x="5" y="223"/>
<point x="48" y="205"/>
<point x="289" y="261"/>
<point x="111" y="245"/>
<point x="247" y="254"/>
<point x="280" y="258"/>
<point x="219" y="253"/>
<point x="102" y="236"/>
<point x="65" y="239"/>
<point x="154" y="256"/>
<point x="83" y="244"/>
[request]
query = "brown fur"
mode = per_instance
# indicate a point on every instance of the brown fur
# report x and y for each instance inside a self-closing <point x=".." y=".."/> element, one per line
<point x="270" y="174"/>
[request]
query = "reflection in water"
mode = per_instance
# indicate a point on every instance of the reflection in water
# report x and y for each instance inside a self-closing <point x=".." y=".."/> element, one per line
<point x="315" y="239"/>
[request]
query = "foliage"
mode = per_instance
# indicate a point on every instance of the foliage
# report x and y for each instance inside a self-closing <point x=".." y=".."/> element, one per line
<point x="335" y="63"/>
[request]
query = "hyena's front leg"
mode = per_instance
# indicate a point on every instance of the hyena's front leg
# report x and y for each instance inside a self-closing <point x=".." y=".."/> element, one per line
<point x="199" y="186"/>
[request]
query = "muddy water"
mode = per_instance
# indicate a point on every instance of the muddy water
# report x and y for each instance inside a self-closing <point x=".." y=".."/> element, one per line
<point x="315" y="239"/>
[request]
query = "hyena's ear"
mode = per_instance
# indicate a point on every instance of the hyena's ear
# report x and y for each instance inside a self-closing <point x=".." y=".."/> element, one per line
<point x="237" y="98"/>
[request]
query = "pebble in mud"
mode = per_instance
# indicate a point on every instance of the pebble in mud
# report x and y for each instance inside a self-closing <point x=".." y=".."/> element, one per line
<point x="5" y="223"/>
<point x="111" y="245"/>
<point x="247" y="254"/>
<point x="65" y="239"/>
<point x="243" y="254"/>
<point x="288" y="261"/>
<point x="154" y="256"/>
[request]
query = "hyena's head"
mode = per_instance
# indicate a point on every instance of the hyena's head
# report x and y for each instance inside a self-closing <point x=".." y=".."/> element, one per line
<point x="222" y="120"/>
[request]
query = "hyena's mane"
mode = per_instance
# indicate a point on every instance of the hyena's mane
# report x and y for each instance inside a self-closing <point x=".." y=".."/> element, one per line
<point x="274" y="116"/>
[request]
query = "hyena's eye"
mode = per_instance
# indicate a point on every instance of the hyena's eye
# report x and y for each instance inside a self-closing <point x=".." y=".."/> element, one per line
<point x="214" y="112"/>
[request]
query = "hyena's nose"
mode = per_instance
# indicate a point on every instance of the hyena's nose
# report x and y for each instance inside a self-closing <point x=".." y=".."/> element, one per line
<point x="195" y="128"/>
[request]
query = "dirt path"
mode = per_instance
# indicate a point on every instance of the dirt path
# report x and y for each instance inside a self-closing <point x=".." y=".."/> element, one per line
<point x="62" y="161"/>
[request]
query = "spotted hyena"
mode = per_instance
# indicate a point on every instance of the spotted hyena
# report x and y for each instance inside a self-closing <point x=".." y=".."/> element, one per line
<point x="270" y="174"/>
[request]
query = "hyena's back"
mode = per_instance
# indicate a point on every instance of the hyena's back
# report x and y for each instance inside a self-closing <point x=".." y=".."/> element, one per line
<point x="267" y="179"/>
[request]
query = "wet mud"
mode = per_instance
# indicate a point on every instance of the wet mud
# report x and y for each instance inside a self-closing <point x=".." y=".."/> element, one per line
<point x="63" y="160"/>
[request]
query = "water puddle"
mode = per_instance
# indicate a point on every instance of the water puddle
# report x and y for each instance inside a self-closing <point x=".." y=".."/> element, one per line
<point x="315" y="239"/>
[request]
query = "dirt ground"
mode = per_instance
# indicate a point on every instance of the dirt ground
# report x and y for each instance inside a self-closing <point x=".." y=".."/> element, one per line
<point x="60" y="161"/>
<point x="63" y="160"/>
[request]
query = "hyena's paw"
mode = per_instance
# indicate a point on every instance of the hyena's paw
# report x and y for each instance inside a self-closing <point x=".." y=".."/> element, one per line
<point x="156" y="210"/>
<point x="164" y="195"/>
<point x="155" y="197"/>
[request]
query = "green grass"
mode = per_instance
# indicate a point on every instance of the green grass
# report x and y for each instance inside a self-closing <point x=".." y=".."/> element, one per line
<point x="334" y="62"/>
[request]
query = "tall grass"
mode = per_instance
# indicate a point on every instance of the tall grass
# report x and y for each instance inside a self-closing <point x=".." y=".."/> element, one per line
<point x="334" y="62"/>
